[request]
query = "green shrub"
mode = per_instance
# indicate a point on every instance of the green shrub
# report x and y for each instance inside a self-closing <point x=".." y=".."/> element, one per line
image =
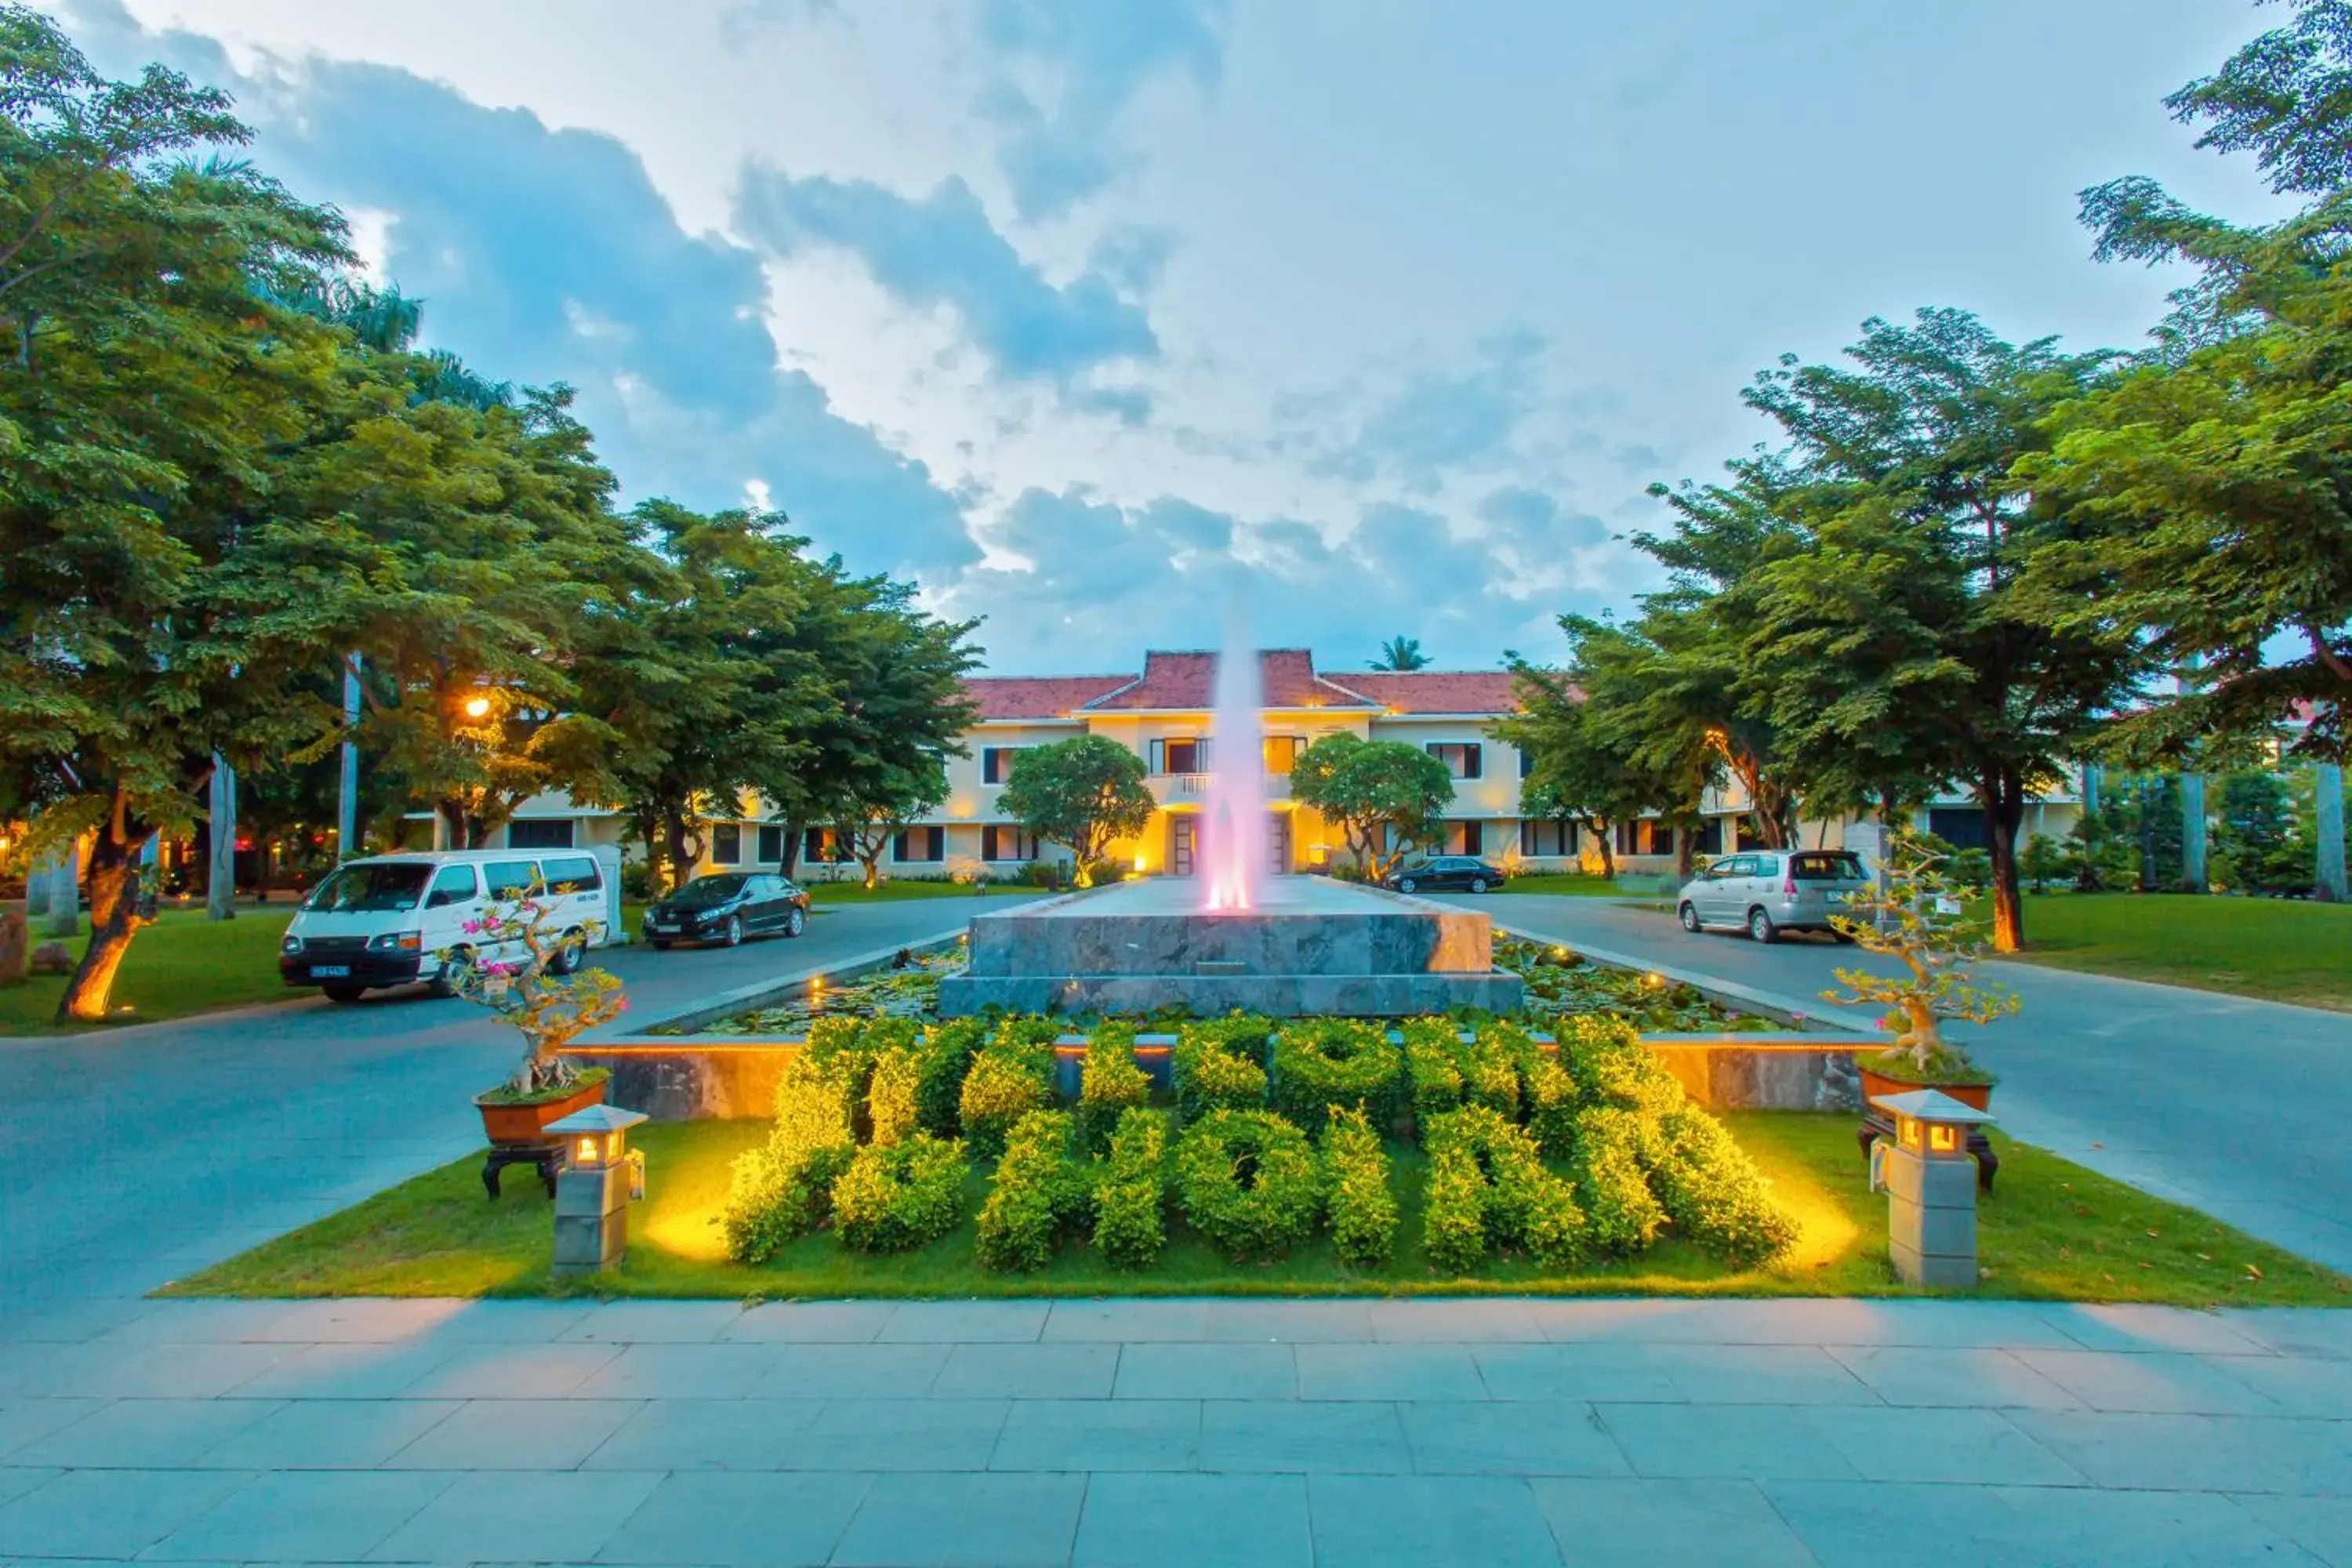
<point x="1553" y="1105"/>
<point x="1131" y="1191"/>
<point x="898" y="1197"/>
<point x="1612" y="1182"/>
<point x="1320" y="1063"/>
<point x="1001" y="1087"/>
<point x="1433" y="1065"/>
<point x="1219" y="1064"/>
<point x="893" y="1094"/>
<point x="782" y="1191"/>
<point x="1248" y="1181"/>
<point x="1523" y="1205"/>
<point x="1612" y="1066"/>
<point x="1108" y="1084"/>
<point x="1356" y="1177"/>
<point x="948" y="1051"/>
<point x="1712" y="1190"/>
<point x="1029" y="1204"/>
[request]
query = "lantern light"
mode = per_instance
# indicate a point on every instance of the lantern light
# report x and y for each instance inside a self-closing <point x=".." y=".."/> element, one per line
<point x="478" y="707"/>
<point x="1930" y="1180"/>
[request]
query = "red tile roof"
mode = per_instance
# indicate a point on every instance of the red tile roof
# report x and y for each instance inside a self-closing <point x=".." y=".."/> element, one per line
<point x="1436" y="690"/>
<point x="1188" y="680"/>
<point x="1007" y="697"/>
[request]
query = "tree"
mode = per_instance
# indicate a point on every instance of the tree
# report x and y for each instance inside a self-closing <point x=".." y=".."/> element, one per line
<point x="1401" y="654"/>
<point x="2257" y="832"/>
<point x="1544" y="803"/>
<point x="1576" y="767"/>
<point x="1377" y="791"/>
<point x="146" y="380"/>
<point x="1084" y="794"/>
<point x="893" y="799"/>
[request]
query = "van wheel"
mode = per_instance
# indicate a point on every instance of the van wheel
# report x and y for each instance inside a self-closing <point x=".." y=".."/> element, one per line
<point x="566" y="958"/>
<point x="1760" y="926"/>
<point x="795" y="921"/>
<point x="345" y="994"/>
<point x="459" y="960"/>
<point x="1690" y="919"/>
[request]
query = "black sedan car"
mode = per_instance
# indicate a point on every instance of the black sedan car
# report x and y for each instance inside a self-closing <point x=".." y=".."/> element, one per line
<point x="1443" y="873"/>
<point x="727" y="908"/>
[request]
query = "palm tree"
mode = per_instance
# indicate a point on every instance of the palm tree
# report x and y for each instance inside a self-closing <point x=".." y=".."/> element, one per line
<point x="1401" y="654"/>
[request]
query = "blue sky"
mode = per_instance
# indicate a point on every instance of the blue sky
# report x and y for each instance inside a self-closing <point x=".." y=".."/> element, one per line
<point x="1080" y="312"/>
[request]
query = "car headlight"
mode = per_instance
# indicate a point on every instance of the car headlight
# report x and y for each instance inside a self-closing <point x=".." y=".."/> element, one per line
<point x="398" y="942"/>
<point x="292" y="944"/>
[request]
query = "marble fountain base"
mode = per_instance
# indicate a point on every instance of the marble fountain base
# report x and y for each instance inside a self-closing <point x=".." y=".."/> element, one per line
<point x="1311" y="946"/>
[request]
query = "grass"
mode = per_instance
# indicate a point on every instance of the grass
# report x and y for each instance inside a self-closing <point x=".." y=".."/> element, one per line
<point x="855" y="893"/>
<point x="2052" y="1231"/>
<point x="2274" y="949"/>
<point x="1569" y="884"/>
<point x="183" y="963"/>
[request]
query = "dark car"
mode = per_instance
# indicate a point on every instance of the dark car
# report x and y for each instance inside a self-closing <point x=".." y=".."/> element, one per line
<point x="727" y="908"/>
<point x="1437" y="873"/>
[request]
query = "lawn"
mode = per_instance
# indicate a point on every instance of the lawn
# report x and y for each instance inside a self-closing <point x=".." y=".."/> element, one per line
<point x="2052" y="1231"/>
<point x="1569" y="884"/>
<point x="2276" y="949"/>
<point x="855" y="893"/>
<point x="183" y="963"/>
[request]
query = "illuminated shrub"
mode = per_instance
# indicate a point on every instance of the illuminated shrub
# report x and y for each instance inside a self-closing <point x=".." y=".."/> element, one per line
<point x="1356" y="1182"/>
<point x="1248" y="1181"/>
<point x="1483" y="1168"/>
<point x="1713" y="1190"/>
<point x="1035" y="1195"/>
<point x="1612" y="1182"/>
<point x="1131" y="1191"/>
<point x="1219" y="1065"/>
<point x="1008" y="1080"/>
<point x="784" y="1190"/>
<point x="947" y="1052"/>
<point x="1108" y="1085"/>
<point x="1350" y="1063"/>
<point x="898" y="1197"/>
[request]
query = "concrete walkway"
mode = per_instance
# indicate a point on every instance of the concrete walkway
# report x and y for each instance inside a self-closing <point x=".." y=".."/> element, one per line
<point x="1195" y="1433"/>
<point x="2227" y="1104"/>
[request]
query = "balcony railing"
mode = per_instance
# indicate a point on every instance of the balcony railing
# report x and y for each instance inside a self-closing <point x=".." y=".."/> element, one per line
<point x="1191" y="789"/>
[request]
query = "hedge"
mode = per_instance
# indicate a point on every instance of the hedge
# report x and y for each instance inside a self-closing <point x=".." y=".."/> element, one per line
<point x="1002" y="1087"/>
<point x="1432" y="1064"/>
<point x="1487" y="1170"/>
<point x="1356" y="1177"/>
<point x="1320" y="1063"/>
<point x="896" y="1197"/>
<point x="1249" y="1183"/>
<point x="782" y="1191"/>
<point x="1219" y="1064"/>
<point x="1029" y="1202"/>
<point x="1131" y="1191"/>
<point x="1713" y="1190"/>
<point x="893" y="1095"/>
<point x="947" y="1052"/>
<point x="1108" y="1084"/>
<point x="1611" y="1066"/>
<point x="1611" y="1181"/>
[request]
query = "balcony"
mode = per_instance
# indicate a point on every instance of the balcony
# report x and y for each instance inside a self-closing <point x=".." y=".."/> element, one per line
<point x="1193" y="789"/>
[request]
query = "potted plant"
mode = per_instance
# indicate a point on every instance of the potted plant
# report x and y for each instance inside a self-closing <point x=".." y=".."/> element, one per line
<point x="521" y="981"/>
<point x="1916" y="915"/>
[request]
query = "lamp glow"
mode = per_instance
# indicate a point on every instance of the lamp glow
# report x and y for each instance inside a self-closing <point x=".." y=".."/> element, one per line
<point x="478" y="707"/>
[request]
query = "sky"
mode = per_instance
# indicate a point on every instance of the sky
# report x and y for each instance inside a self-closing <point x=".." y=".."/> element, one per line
<point x="1090" y="315"/>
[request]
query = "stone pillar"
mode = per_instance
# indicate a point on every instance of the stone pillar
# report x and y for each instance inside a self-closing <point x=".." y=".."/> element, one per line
<point x="2091" y="789"/>
<point x="2328" y="784"/>
<point x="2193" y="834"/>
<point x="592" y="1219"/>
<point x="1931" y="1219"/>
<point x="64" y="892"/>
<point x="220" y="875"/>
<point x="347" y="799"/>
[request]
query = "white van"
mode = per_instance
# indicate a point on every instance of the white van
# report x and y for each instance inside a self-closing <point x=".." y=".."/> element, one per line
<point x="384" y="921"/>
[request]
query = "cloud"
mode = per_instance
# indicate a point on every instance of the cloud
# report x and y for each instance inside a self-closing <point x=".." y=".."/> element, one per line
<point x="1532" y="523"/>
<point x="1440" y="419"/>
<point x="1062" y="73"/>
<point x="941" y="251"/>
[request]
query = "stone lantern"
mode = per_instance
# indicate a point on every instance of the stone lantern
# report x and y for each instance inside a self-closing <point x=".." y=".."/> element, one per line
<point x="600" y="1176"/>
<point x="1931" y="1187"/>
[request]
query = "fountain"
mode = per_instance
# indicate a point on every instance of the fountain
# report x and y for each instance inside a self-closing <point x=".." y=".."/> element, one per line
<point x="1243" y="937"/>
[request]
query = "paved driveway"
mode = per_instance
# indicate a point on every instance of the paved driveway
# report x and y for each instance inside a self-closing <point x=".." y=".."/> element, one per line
<point x="138" y="1155"/>
<point x="2233" y="1106"/>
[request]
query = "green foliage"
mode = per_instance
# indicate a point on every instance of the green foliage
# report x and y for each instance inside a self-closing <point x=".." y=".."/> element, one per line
<point x="1916" y="917"/>
<point x="1356" y="1177"/>
<point x="2042" y="863"/>
<point x="899" y="1196"/>
<point x="1248" y="1180"/>
<point x="1370" y="790"/>
<point x="1610" y="1066"/>
<point x="2257" y="833"/>
<point x="1131" y="1191"/>
<point x="1003" y="1086"/>
<point x="1218" y="1064"/>
<point x="1108" y="1084"/>
<point x="892" y="1094"/>
<point x="1432" y="1060"/>
<point x="1031" y="1198"/>
<point x="1086" y="792"/>
<point x="1488" y="1183"/>
<point x="1401" y="653"/>
<point x="947" y="1052"/>
<point x="1712" y="1190"/>
<point x="784" y="1189"/>
<point x="1612" y="1179"/>
<point x="1321" y="1064"/>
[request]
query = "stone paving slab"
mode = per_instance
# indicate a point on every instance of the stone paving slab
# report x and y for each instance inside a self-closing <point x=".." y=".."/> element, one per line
<point x="1220" y="1432"/>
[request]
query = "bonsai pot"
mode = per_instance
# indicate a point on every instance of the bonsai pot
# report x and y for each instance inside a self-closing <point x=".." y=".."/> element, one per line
<point x="1973" y="1089"/>
<point x="507" y="1120"/>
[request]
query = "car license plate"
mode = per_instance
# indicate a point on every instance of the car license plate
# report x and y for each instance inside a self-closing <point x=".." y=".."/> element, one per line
<point x="665" y="925"/>
<point x="330" y="972"/>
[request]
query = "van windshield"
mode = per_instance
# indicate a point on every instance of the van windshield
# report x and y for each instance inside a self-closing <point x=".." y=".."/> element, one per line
<point x="1818" y="867"/>
<point x="380" y="889"/>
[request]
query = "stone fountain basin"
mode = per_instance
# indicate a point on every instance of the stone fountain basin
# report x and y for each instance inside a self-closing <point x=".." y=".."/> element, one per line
<point x="1310" y="945"/>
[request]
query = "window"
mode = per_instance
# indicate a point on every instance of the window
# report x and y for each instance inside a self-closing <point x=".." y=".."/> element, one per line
<point x="539" y="833"/>
<point x="369" y="888"/>
<point x="572" y="874"/>
<point x="1711" y="837"/>
<point x="1006" y="843"/>
<point x="1526" y="764"/>
<point x="996" y="763"/>
<point x="1282" y="753"/>
<point x="771" y="846"/>
<point x="819" y="844"/>
<point x="1463" y="759"/>
<point x="1827" y="866"/>
<point x="509" y="878"/>
<point x="1465" y="838"/>
<point x="918" y="845"/>
<point x="1180" y="755"/>
<point x="454" y="885"/>
<point x="727" y="843"/>
<point x="1961" y="827"/>
<point x="1546" y="837"/>
<point x="1644" y="837"/>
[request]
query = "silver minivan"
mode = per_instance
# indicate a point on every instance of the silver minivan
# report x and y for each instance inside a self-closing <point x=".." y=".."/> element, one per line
<point x="1767" y="892"/>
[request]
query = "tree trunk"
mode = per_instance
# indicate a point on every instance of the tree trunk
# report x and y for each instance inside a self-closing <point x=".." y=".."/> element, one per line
<point x="113" y="919"/>
<point x="1686" y="847"/>
<point x="685" y="849"/>
<point x="220" y="880"/>
<point x="2328" y="815"/>
<point x="261" y="867"/>
<point x="1599" y="828"/>
<point x="873" y="864"/>
<point x="2004" y="810"/>
<point x="792" y="847"/>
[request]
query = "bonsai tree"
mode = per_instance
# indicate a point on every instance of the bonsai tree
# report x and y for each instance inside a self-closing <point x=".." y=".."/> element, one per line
<point x="1374" y="790"/>
<point x="1916" y="915"/>
<point x="1084" y="794"/>
<point x="533" y="994"/>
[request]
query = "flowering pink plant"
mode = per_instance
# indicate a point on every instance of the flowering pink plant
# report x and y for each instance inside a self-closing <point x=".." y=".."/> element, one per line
<point x="540" y="993"/>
